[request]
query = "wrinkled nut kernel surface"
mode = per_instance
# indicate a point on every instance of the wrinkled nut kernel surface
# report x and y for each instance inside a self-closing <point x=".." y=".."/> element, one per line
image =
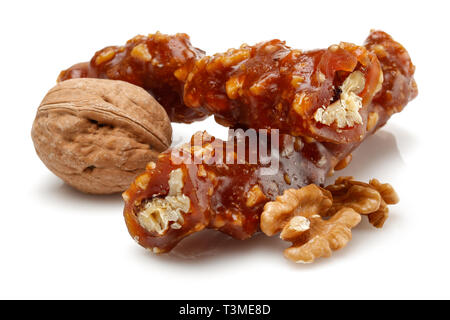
<point x="345" y="111"/>
<point x="318" y="221"/>
<point x="369" y="199"/>
<point x="323" y="236"/>
<point x="98" y="135"/>
<point x="305" y="201"/>
<point x="160" y="212"/>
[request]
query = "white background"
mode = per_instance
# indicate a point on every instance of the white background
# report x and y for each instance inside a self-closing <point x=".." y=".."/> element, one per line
<point x="58" y="243"/>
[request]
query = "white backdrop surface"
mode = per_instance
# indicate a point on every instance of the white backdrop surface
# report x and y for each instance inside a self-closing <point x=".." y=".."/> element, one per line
<point x="58" y="243"/>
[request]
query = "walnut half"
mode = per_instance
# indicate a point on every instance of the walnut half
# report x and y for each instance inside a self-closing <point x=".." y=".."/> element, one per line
<point x="318" y="221"/>
<point x="297" y="214"/>
<point x="369" y="199"/>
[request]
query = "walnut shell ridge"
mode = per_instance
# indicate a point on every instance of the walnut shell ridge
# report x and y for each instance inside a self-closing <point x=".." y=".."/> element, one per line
<point x="98" y="135"/>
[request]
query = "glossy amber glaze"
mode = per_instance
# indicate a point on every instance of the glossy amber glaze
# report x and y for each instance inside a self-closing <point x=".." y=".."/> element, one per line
<point x="399" y="86"/>
<point x="149" y="62"/>
<point x="268" y="85"/>
<point x="219" y="193"/>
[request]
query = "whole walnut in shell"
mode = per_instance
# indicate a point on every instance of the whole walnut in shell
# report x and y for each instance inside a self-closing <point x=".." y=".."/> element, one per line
<point x="98" y="135"/>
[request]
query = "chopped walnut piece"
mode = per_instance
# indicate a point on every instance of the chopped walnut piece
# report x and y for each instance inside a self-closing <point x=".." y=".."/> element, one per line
<point x="141" y="52"/>
<point x="150" y="166"/>
<point x="318" y="221"/>
<point x="372" y="121"/>
<point x="255" y="196"/>
<point x="105" y="56"/>
<point x="181" y="73"/>
<point x="345" y="111"/>
<point x="142" y="181"/>
<point x="343" y="163"/>
<point x="233" y="57"/>
<point x="201" y="171"/>
<point x="301" y="103"/>
<point x="233" y="85"/>
<point x="160" y="212"/>
<point x="297" y="80"/>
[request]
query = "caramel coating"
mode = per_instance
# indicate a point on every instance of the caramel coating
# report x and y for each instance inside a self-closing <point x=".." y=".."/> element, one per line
<point x="322" y="94"/>
<point x="324" y="97"/>
<point x="150" y="62"/>
<point x="270" y="85"/>
<point x="399" y="86"/>
<point x="227" y="197"/>
<point x="230" y="198"/>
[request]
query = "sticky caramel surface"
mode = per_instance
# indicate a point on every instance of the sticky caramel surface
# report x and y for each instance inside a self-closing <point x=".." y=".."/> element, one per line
<point x="268" y="85"/>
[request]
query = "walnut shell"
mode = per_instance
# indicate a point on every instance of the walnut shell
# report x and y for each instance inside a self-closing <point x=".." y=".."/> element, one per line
<point x="98" y="135"/>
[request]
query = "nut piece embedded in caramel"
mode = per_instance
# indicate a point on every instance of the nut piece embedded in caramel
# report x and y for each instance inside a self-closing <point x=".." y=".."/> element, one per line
<point x="158" y="213"/>
<point x="345" y="111"/>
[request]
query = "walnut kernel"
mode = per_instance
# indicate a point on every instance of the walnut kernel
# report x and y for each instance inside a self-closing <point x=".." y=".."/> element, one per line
<point x="369" y="199"/>
<point x="318" y="221"/>
<point x="255" y="196"/>
<point x="298" y="215"/>
<point x="105" y="56"/>
<point x="141" y="52"/>
<point x="345" y="111"/>
<point x="372" y="120"/>
<point x="305" y="201"/>
<point x="343" y="163"/>
<point x="324" y="236"/>
<point x="160" y="212"/>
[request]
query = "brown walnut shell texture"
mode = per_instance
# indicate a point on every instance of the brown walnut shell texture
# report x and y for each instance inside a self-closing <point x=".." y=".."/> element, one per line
<point x="98" y="135"/>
